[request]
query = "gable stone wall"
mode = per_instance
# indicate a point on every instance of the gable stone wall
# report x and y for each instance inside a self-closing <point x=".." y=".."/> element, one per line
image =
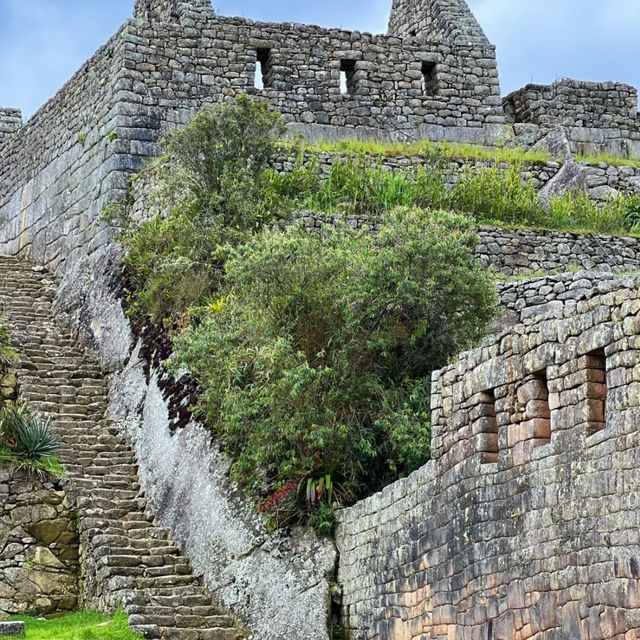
<point x="443" y="19"/>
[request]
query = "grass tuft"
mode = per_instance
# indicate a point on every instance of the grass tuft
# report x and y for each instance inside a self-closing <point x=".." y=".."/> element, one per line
<point x="608" y="159"/>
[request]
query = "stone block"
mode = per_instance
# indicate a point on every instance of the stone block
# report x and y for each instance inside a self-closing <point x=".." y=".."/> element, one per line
<point x="12" y="629"/>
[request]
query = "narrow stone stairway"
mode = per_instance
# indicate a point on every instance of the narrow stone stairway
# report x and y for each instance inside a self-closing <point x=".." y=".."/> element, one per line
<point x="126" y="558"/>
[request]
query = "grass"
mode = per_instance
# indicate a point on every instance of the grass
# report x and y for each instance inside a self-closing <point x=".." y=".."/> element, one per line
<point x="85" y="625"/>
<point x="493" y="195"/>
<point x="455" y="151"/>
<point x="444" y="150"/>
<point x="608" y="159"/>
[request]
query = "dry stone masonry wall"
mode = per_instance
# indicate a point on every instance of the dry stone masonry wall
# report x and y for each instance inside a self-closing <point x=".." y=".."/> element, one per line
<point x="595" y="115"/>
<point x="10" y="121"/>
<point x="38" y="546"/>
<point x="525" y="252"/>
<point x="525" y="524"/>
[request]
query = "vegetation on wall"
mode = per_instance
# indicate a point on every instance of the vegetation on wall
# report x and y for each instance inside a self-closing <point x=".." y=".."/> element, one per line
<point x="313" y="352"/>
<point x="492" y="195"/>
<point x="315" y="363"/>
<point x="211" y="186"/>
<point x="440" y="151"/>
<point x="26" y="441"/>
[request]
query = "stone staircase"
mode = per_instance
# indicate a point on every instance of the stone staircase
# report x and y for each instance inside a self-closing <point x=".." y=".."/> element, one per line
<point x="126" y="558"/>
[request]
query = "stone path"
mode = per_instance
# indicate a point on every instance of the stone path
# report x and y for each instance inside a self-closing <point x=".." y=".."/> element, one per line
<point x="125" y="557"/>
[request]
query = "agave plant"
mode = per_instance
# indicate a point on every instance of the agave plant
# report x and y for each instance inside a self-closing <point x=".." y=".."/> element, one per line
<point x="26" y="436"/>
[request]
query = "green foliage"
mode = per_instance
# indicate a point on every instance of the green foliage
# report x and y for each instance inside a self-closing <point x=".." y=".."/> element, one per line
<point x="497" y="195"/>
<point x="356" y="186"/>
<point x="493" y="195"/>
<point x="577" y="211"/>
<point x="26" y="441"/>
<point x="83" y="625"/>
<point x="316" y="363"/>
<point x="608" y="159"/>
<point x="211" y="186"/>
<point x="82" y="138"/>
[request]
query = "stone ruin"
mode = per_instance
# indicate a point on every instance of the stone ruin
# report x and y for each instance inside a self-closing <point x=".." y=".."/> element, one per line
<point x="525" y="523"/>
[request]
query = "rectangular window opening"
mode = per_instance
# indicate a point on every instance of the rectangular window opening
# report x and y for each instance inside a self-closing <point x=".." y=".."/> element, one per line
<point x="488" y="431"/>
<point x="429" y="78"/>
<point x="347" y="76"/>
<point x="538" y="409"/>
<point x="264" y="70"/>
<point x="596" y="375"/>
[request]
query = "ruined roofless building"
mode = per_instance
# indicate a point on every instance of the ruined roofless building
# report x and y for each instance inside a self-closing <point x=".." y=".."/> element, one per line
<point x="433" y="76"/>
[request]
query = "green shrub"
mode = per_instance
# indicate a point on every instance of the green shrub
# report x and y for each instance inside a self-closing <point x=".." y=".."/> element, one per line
<point x="317" y="361"/>
<point x="210" y="184"/>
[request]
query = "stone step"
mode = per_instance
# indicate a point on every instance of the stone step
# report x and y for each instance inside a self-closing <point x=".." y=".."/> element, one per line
<point x="130" y="556"/>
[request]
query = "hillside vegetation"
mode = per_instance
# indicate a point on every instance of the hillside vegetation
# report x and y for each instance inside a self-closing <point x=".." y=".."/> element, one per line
<point x="313" y="352"/>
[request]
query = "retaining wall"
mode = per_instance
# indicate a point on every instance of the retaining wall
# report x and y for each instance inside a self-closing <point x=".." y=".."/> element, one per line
<point x="38" y="546"/>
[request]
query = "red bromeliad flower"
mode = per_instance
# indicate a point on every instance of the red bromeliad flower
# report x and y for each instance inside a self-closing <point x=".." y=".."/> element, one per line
<point x="275" y="500"/>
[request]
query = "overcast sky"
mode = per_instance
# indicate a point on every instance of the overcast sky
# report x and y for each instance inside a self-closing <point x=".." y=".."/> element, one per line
<point x="43" y="42"/>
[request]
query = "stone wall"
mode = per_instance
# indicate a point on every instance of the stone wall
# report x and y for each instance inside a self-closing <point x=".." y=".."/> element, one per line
<point x="524" y="525"/>
<point x="575" y="103"/>
<point x="301" y="67"/>
<point x="38" y="546"/>
<point x="594" y="114"/>
<point x="8" y="385"/>
<point x="525" y="252"/>
<point x="57" y="170"/>
<point x="450" y="20"/>
<point x="543" y="298"/>
<point x="10" y="121"/>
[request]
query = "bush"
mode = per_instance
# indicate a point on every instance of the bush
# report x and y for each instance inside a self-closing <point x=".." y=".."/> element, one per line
<point x="316" y="363"/>
<point x="210" y="184"/>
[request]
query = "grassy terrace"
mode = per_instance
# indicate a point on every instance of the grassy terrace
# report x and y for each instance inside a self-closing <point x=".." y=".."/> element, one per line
<point x="85" y="625"/>
<point x="608" y="159"/>
<point x="359" y="184"/>
<point x="455" y="151"/>
<point x="435" y="150"/>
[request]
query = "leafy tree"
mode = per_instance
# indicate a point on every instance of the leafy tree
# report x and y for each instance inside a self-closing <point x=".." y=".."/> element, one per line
<point x="209" y="184"/>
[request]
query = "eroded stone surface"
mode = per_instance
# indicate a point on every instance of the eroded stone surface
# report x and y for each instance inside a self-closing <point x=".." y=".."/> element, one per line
<point x="12" y="628"/>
